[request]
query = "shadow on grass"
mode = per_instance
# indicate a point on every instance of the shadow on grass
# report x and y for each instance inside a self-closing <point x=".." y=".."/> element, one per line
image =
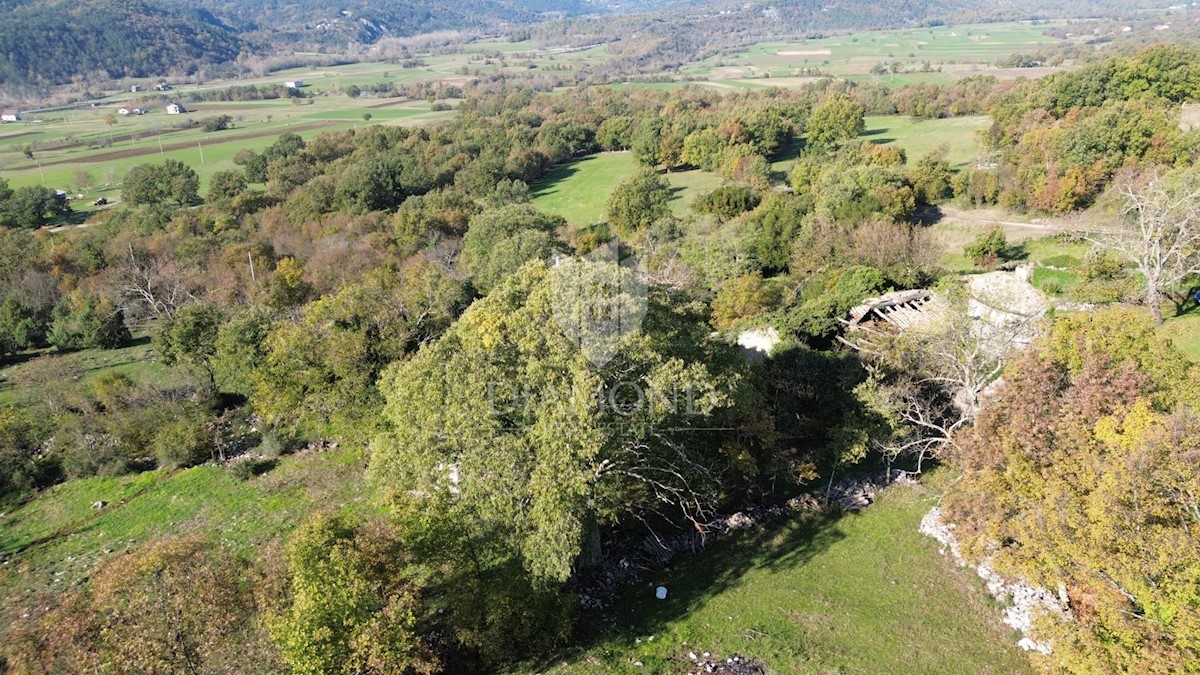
<point x="1189" y="306"/>
<point x="694" y="582"/>
<point x="927" y="216"/>
<point x="549" y="183"/>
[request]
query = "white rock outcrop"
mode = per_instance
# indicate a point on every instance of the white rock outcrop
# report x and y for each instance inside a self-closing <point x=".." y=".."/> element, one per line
<point x="1025" y="602"/>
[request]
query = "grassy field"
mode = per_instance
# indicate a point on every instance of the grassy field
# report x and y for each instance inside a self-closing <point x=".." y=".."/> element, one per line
<point x="1184" y="331"/>
<point x="138" y="361"/>
<point x="578" y="190"/>
<point x="58" y="537"/>
<point x="865" y="593"/>
<point x="959" y="135"/>
<point x="69" y="141"/>
<point x="951" y="53"/>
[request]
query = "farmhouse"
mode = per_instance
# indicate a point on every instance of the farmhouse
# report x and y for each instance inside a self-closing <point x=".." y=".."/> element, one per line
<point x="10" y="116"/>
<point x="294" y="84"/>
<point x="135" y="88"/>
<point x="175" y="108"/>
<point x="123" y="111"/>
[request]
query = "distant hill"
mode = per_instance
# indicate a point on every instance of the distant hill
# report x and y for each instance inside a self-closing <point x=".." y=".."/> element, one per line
<point x="48" y="42"/>
<point x="56" y="41"/>
<point x="45" y="42"/>
<point x="365" y="21"/>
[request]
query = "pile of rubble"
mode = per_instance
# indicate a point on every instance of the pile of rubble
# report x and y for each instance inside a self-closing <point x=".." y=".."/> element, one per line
<point x="734" y="665"/>
<point x="1025" y="602"/>
<point x="624" y="565"/>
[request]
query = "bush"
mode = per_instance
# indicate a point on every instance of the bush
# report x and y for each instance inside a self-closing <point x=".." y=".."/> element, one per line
<point x="88" y="454"/>
<point x="217" y="123"/>
<point x="727" y="202"/>
<point x="271" y="447"/>
<point x="744" y="298"/>
<point x="183" y="442"/>
<point x="87" y="323"/>
<point x="990" y="248"/>
<point x="21" y="469"/>
<point x="249" y="466"/>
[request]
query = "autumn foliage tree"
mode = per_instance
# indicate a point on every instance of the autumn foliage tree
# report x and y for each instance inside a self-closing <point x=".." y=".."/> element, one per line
<point x="1083" y="474"/>
<point x="835" y="121"/>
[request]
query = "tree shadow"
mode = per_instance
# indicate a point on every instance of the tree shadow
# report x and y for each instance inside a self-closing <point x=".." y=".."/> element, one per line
<point x="876" y="132"/>
<point x="927" y="216"/>
<point x="790" y="151"/>
<point x="550" y="183"/>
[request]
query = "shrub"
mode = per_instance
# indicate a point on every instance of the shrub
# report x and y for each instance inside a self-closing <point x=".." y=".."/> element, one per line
<point x="90" y="454"/>
<point x="217" y="123"/>
<point x="727" y="202"/>
<point x="271" y="447"/>
<point x="183" y="442"/>
<point x="990" y="248"/>
<point x="246" y="467"/>
<point x="744" y="298"/>
<point x="87" y="323"/>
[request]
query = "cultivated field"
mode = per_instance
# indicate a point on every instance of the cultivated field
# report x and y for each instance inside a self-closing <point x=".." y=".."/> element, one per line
<point x="951" y="53"/>
<point x="68" y="142"/>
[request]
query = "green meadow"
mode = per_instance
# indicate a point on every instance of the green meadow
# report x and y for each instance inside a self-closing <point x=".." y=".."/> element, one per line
<point x="578" y="190"/>
<point x="861" y="593"/>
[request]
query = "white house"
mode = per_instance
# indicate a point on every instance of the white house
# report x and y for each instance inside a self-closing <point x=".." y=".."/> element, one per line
<point x="135" y="88"/>
<point x="10" y="116"/>
<point x="123" y="111"/>
<point x="294" y="84"/>
<point x="175" y="109"/>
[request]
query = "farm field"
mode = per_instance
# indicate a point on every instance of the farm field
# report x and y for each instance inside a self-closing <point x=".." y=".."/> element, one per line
<point x="864" y="593"/>
<point x="70" y="141"/>
<point x="951" y="52"/>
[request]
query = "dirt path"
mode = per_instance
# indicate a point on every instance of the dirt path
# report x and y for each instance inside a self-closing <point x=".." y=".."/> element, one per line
<point x="991" y="217"/>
